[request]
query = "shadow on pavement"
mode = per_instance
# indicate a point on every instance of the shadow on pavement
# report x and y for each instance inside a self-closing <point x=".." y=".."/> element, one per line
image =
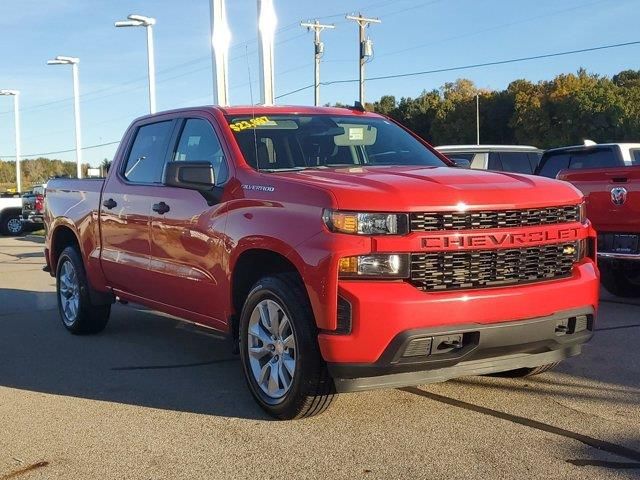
<point x="142" y="358"/>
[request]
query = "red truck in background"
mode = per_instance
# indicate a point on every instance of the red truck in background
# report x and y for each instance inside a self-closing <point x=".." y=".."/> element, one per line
<point x="338" y="251"/>
<point x="613" y="206"/>
<point x="609" y="176"/>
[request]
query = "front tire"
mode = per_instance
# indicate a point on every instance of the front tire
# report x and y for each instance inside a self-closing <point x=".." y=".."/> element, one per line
<point x="77" y="313"/>
<point x="279" y="350"/>
<point x="11" y="225"/>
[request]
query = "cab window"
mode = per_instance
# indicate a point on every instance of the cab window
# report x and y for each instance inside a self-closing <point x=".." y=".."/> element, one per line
<point x="146" y="157"/>
<point x="199" y="142"/>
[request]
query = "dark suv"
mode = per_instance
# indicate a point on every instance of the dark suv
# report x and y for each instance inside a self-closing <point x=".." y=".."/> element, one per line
<point x="589" y="155"/>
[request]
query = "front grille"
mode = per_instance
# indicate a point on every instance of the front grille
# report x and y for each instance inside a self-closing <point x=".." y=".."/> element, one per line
<point x="439" y="271"/>
<point x="428" y="222"/>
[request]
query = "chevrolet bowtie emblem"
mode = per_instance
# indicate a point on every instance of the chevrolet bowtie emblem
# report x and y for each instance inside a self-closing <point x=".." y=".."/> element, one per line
<point x="569" y="250"/>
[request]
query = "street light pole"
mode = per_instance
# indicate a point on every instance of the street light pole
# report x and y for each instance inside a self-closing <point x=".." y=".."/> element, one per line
<point x="477" y="118"/>
<point x="73" y="61"/>
<point x="148" y="23"/>
<point x="16" y="112"/>
<point x="220" y="40"/>
<point x="366" y="46"/>
<point x="76" y="114"/>
<point x="317" y="27"/>
<point x="267" y="22"/>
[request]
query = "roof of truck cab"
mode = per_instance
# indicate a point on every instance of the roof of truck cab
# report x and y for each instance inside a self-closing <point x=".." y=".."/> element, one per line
<point x="291" y="110"/>
<point x="251" y="110"/>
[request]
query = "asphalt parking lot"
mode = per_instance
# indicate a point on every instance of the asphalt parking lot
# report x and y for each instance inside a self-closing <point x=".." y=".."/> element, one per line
<point x="152" y="398"/>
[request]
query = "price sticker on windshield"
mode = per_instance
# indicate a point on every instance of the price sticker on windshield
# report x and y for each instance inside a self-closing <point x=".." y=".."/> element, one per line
<point x="249" y="123"/>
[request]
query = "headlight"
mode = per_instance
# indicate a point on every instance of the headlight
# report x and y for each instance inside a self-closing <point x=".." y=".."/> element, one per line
<point x="375" y="265"/>
<point x="583" y="212"/>
<point x="366" y="223"/>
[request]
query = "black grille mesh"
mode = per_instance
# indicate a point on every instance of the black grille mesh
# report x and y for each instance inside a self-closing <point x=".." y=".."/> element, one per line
<point x="427" y="222"/>
<point x="439" y="271"/>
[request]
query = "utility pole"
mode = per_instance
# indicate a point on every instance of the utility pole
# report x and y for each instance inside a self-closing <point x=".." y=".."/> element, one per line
<point x="317" y="27"/>
<point x="477" y="119"/>
<point x="366" y="46"/>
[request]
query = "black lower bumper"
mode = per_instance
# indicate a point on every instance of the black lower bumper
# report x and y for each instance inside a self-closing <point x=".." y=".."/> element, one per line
<point x="32" y="218"/>
<point x="432" y="355"/>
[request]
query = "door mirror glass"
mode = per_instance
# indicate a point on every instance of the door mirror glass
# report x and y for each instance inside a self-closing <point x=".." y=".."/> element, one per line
<point x="461" y="162"/>
<point x="190" y="175"/>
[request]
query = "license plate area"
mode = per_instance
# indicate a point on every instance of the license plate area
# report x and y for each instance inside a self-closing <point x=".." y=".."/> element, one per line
<point x="624" y="243"/>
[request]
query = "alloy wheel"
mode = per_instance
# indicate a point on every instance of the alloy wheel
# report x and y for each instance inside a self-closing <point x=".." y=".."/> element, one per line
<point x="272" y="348"/>
<point x="69" y="291"/>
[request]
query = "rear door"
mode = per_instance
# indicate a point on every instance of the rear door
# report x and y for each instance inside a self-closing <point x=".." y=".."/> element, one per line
<point x="127" y="198"/>
<point x="187" y="235"/>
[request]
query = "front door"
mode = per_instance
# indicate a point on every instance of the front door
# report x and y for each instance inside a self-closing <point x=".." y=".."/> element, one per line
<point x="187" y="234"/>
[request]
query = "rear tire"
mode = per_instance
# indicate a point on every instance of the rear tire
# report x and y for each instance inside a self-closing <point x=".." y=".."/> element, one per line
<point x="11" y="225"/>
<point x="526" y="372"/>
<point x="279" y="350"/>
<point x="77" y="313"/>
<point x="620" y="279"/>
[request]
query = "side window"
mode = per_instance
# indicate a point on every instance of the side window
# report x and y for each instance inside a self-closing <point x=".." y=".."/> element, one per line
<point x="594" y="159"/>
<point x="494" y="161"/>
<point x="553" y="163"/>
<point x="198" y="142"/>
<point x="516" y="162"/>
<point x="478" y="161"/>
<point x="635" y="157"/>
<point x="534" y="160"/>
<point x="146" y="158"/>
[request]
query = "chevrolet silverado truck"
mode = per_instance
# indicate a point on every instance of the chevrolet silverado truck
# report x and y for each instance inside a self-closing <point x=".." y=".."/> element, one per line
<point x="613" y="206"/>
<point x="336" y="249"/>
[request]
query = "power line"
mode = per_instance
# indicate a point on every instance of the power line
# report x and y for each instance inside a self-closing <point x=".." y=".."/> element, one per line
<point x="484" y="30"/>
<point x="280" y="30"/>
<point x="467" y="67"/>
<point x="398" y="75"/>
<point x="44" y="154"/>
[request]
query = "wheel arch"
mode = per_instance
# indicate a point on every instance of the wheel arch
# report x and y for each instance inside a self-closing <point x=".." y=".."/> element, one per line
<point x="249" y="266"/>
<point x="62" y="236"/>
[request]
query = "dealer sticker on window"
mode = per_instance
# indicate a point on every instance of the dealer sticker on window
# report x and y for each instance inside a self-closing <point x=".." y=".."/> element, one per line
<point x="250" y="123"/>
<point x="356" y="134"/>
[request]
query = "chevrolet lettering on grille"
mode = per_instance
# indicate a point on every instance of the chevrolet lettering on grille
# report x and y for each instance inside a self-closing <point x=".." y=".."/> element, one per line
<point x="493" y="240"/>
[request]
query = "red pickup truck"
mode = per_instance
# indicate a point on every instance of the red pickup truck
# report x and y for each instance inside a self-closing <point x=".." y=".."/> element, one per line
<point x="337" y="250"/>
<point x="613" y="205"/>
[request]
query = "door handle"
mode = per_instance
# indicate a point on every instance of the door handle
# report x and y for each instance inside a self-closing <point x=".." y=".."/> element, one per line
<point x="161" y="208"/>
<point x="111" y="203"/>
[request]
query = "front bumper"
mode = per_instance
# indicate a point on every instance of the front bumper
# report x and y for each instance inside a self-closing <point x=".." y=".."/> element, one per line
<point x="431" y="355"/>
<point x="382" y="310"/>
<point x="32" y="218"/>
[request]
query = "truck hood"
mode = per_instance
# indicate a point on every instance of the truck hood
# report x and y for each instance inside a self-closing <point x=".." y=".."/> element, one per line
<point x="434" y="188"/>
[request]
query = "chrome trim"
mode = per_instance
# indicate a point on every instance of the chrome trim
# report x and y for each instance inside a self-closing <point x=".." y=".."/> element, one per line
<point x="620" y="256"/>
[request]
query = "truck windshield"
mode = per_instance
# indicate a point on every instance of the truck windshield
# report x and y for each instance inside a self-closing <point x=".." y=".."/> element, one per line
<point x="292" y="142"/>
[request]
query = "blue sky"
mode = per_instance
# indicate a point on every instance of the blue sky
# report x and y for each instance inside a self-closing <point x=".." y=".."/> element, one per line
<point x="414" y="35"/>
